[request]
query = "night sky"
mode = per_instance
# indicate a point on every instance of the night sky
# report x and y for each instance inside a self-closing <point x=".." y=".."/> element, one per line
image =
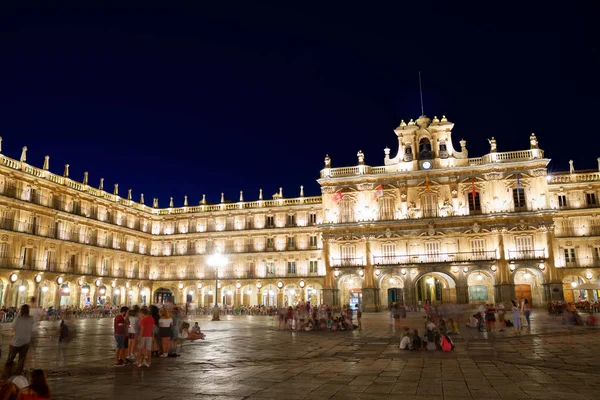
<point x="174" y="101"/>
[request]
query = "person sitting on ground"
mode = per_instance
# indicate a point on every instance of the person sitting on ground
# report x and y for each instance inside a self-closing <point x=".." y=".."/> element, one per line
<point x="38" y="388"/>
<point x="329" y="323"/>
<point x="591" y="320"/>
<point x="417" y="343"/>
<point x="406" y="342"/>
<point x="196" y="333"/>
<point x="446" y="343"/>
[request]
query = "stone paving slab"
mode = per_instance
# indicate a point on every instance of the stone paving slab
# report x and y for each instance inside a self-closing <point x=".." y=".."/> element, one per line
<point x="246" y="357"/>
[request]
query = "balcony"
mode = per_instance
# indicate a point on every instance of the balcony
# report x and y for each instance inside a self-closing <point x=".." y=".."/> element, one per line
<point x="570" y="231"/>
<point x="580" y="262"/>
<point x="527" y="254"/>
<point x="456" y="257"/>
<point x="347" y="262"/>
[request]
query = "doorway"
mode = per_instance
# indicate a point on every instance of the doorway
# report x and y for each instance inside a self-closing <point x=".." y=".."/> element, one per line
<point x="395" y="295"/>
<point x="355" y="298"/>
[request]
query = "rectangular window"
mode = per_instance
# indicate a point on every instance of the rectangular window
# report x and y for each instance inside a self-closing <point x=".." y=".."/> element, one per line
<point x="524" y="246"/>
<point x="388" y="250"/>
<point x="386" y="208"/>
<point x="291" y="242"/>
<point x="590" y="199"/>
<point x="597" y="253"/>
<point x="291" y="267"/>
<point x="562" y="200"/>
<point x="3" y="250"/>
<point x="478" y="246"/>
<point x="429" y="205"/>
<point x="519" y="198"/>
<point x="105" y="266"/>
<point x="312" y="241"/>
<point x="474" y="203"/>
<point x="270" y="243"/>
<point x="291" y="220"/>
<point x="348" y="252"/>
<point x="313" y="267"/>
<point x="312" y="218"/>
<point x="346" y="211"/>
<point x="569" y="255"/>
<point x="270" y="266"/>
<point x="270" y="221"/>
<point x="432" y="249"/>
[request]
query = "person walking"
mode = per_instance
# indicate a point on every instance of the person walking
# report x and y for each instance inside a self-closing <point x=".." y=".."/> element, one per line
<point x="21" y="337"/>
<point x="527" y="311"/>
<point x="145" y="336"/>
<point x="500" y="309"/>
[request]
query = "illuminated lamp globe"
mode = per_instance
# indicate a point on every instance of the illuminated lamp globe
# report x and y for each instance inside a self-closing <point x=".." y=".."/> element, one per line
<point x="573" y="284"/>
<point x="403" y="271"/>
<point x="479" y="277"/>
<point x="45" y="289"/>
<point x="238" y="285"/>
<point x="466" y="269"/>
<point x="38" y="278"/>
<point x="279" y="284"/>
<point x="117" y="291"/>
<point x="199" y="285"/>
<point x="130" y="293"/>
<point x="527" y="275"/>
<point x="21" y="288"/>
<point x="430" y="280"/>
<point x="180" y="286"/>
<point x="302" y="284"/>
<point x="59" y="280"/>
<point x="377" y="272"/>
<point x="13" y="278"/>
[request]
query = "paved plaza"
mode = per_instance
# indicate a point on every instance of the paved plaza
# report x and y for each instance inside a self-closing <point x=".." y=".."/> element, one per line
<point x="246" y="357"/>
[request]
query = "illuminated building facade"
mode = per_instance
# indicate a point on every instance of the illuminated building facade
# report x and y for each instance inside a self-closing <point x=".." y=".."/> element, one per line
<point x="431" y="223"/>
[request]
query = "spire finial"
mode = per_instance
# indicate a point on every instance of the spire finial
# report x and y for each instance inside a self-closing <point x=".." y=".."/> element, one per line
<point x="260" y="197"/>
<point x="0" y="144"/>
<point x="171" y="202"/>
<point x="85" y="178"/>
<point x="66" y="173"/>
<point x="222" y="197"/>
<point x="185" y="201"/>
<point x="141" y="198"/>
<point x="129" y="194"/>
<point x="116" y="191"/>
<point x="24" y="154"/>
<point x="101" y="186"/>
<point x="155" y="203"/>
<point x="241" y="196"/>
<point x="281" y="193"/>
<point x="203" y="201"/>
<point x="301" y="190"/>
<point x="46" y="166"/>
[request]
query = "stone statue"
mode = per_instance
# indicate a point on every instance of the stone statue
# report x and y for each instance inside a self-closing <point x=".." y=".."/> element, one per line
<point x="412" y="210"/>
<point x="361" y="157"/>
<point x="447" y="208"/>
<point x="493" y="145"/>
<point x="327" y="161"/>
<point x="533" y="141"/>
<point x="24" y="154"/>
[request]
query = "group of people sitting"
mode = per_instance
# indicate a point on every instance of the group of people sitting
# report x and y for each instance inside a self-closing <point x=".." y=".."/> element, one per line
<point x="304" y="317"/>
<point x="436" y="337"/>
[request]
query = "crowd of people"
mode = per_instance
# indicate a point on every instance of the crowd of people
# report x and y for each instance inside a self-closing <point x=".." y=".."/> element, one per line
<point x="570" y="313"/>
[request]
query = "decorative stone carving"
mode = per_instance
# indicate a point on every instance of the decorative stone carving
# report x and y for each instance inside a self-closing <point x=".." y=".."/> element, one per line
<point x="4" y="238"/>
<point x="522" y="225"/>
<point x="327" y="190"/>
<point x="347" y="235"/>
<point x="476" y="228"/>
<point x="431" y="229"/>
<point x="388" y="233"/>
<point x="365" y="186"/>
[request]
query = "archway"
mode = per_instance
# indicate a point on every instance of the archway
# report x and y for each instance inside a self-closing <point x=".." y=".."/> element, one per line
<point x="350" y="287"/>
<point x="163" y="295"/>
<point x="314" y="293"/>
<point x="528" y="285"/>
<point x="435" y="288"/>
<point x="481" y="287"/>
<point x="246" y="292"/>
<point x="392" y="290"/>
<point x="227" y="293"/>
<point x="573" y="290"/>
<point x="291" y="295"/>
<point x="268" y="295"/>
<point x="208" y="294"/>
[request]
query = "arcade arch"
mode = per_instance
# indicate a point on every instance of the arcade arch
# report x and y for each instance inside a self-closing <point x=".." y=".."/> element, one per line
<point x="481" y="287"/>
<point x="573" y="288"/>
<point x="392" y="290"/>
<point x="435" y="287"/>
<point x="528" y="285"/>
<point x="350" y="287"/>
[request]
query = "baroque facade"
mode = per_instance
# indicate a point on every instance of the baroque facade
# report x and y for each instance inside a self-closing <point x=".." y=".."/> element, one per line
<point x="431" y="223"/>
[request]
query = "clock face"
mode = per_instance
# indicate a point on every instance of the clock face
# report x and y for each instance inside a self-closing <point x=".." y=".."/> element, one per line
<point x="426" y="164"/>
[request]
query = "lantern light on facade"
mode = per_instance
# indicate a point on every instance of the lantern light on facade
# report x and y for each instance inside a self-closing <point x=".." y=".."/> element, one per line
<point x="199" y="285"/>
<point x="588" y="275"/>
<point x="113" y="283"/>
<point x="98" y="282"/>
<point x="180" y="286"/>
<point x="130" y="293"/>
<point x="302" y="284"/>
<point x="377" y="272"/>
<point x="336" y="273"/>
<point x="542" y="266"/>
<point x="361" y="273"/>
<point x="466" y="269"/>
<point x="22" y="288"/>
<point x="59" y="280"/>
<point x="117" y="291"/>
<point x="229" y="292"/>
<point x="238" y="285"/>
<point x="403" y="271"/>
<point x="38" y="278"/>
<point x="258" y="285"/>
<point x="573" y="284"/>
<point x="13" y="278"/>
<point x="430" y="280"/>
<point x="512" y="267"/>
<point x="44" y="288"/>
<point x="85" y="289"/>
<point x="280" y="284"/>
<point x="494" y="268"/>
<point x="527" y="275"/>
<point x="479" y="277"/>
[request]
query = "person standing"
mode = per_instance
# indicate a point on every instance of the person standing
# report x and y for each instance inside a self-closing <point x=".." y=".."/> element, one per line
<point x="516" y="317"/>
<point x="165" y="324"/>
<point x="120" y="331"/>
<point x="527" y="311"/>
<point x="21" y="337"/>
<point x="146" y="333"/>
<point x="359" y="317"/>
<point x="501" y="311"/>
<point x="132" y="332"/>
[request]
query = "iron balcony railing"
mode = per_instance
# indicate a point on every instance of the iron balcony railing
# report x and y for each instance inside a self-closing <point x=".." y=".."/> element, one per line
<point x="527" y="254"/>
<point x="348" y="262"/>
<point x="488" y="255"/>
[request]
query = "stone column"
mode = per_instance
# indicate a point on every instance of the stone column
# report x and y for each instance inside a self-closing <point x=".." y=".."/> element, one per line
<point x="330" y="280"/>
<point x="504" y="289"/>
<point x="280" y="298"/>
<point x="369" y="291"/>
<point x="553" y="288"/>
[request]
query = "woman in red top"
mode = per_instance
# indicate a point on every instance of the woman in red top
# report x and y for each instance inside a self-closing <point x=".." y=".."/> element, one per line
<point x="38" y="387"/>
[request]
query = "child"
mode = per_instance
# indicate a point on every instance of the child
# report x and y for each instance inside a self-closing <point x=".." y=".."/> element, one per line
<point x="182" y="336"/>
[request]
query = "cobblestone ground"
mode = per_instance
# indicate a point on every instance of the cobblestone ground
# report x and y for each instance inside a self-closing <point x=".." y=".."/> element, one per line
<point x="246" y="357"/>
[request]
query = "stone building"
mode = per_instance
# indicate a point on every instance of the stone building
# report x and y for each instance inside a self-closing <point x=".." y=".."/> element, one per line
<point x="431" y="223"/>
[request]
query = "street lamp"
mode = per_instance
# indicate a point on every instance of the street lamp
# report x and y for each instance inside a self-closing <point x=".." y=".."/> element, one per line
<point x="216" y="260"/>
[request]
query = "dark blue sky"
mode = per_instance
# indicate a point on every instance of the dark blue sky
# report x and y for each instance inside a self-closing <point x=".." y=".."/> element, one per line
<point x="174" y="101"/>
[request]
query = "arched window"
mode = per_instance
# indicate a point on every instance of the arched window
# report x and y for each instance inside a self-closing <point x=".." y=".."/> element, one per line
<point x="443" y="150"/>
<point x="346" y="211"/>
<point x="408" y="156"/>
<point x="424" y="149"/>
<point x="386" y="208"/>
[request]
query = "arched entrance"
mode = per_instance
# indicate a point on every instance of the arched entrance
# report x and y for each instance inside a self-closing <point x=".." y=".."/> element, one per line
<point x="350" y="287"/>
<point x="481" y="287"/>
<point x="528" y="285"/>
<point x="268" y="295"/>
<point x="436" y="288"/>
<point x="572" y="288"/>
<point x="163" y="295"/>
<point x="313" y="294"/>
<point x="392" y="290"/>
<point x="227" y="293"/>
<point x="291" y="295"/>
<point x="246" y="292"/>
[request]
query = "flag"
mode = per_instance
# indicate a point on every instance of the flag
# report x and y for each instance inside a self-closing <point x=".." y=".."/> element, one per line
<point x="427" y="182"/>
<point x="379" y="191"/>
<point x="337" y="196"/>
<point x="473" y="191"/>
<point x="518" y="180"/>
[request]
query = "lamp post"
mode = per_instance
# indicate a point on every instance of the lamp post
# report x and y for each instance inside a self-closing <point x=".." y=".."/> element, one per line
<point x="216" y="260"/>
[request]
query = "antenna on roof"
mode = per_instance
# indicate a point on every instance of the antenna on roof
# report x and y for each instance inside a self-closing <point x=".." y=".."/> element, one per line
<point x="421" y="92"/>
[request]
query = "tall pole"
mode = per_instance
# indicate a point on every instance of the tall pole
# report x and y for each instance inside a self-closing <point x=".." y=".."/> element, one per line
<point x="216" y="285"/>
